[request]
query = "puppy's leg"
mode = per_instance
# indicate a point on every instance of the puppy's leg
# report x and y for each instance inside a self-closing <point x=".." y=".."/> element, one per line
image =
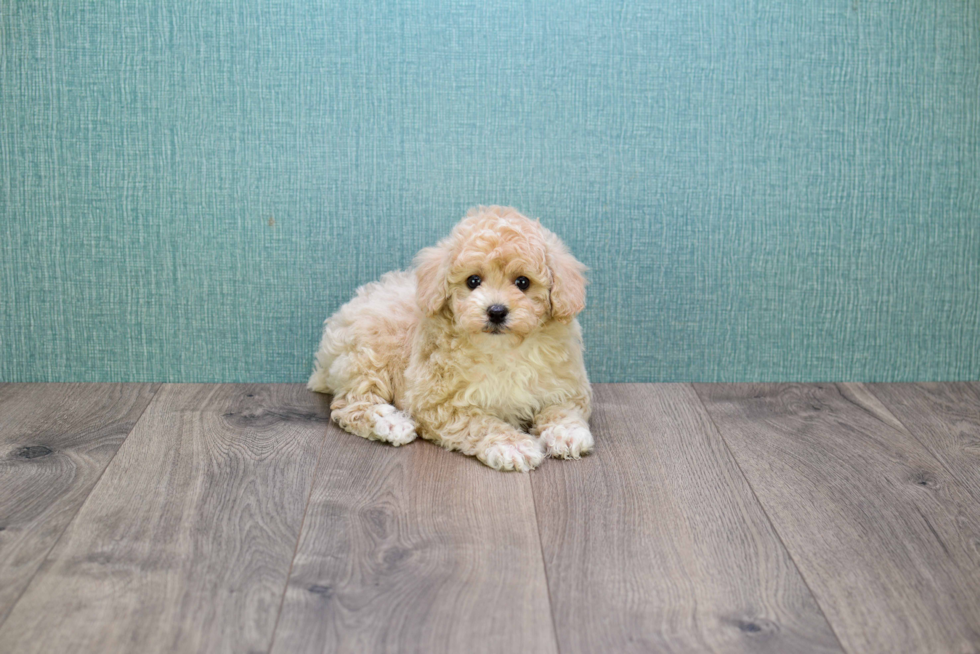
<point x="564" y="430"/>
<point x="371" y="417"/>
<point x="491" y="440"/>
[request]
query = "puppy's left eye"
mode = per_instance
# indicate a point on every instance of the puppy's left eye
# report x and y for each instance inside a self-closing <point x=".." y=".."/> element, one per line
<point x="473" y="281"/>
<point x="522" y="283"/>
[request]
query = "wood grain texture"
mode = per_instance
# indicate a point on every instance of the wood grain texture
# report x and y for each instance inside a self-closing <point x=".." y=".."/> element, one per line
<point x="887" y="539"/>
<point x="55" y="441"/>
<point x="655" y="543"/>
<point x="185" y="543"/>
<point x="945" y="418"/>
<point x="415" y="549"/>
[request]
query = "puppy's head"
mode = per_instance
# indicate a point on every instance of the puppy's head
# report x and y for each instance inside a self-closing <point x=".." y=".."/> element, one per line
<point x="500" y="273"/>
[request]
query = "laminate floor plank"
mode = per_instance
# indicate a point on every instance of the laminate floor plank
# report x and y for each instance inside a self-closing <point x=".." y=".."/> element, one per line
<point x="655" y="543"/>
<point x="186" y="541"/>
<point x="55" y="441"/>
<point x="885" y="536"/>
<point x="945" y="417"/>
<point x="415" y="549"/>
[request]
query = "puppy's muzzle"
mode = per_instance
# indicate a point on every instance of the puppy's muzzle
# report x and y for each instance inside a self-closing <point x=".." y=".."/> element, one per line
<point x="497" y="313"/>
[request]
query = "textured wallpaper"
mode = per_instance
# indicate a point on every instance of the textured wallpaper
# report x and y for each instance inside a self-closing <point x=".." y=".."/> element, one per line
<point x="763" y="191"/>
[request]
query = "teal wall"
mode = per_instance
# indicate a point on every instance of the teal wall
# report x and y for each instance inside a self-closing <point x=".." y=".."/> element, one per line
<point x="764" y="191"/>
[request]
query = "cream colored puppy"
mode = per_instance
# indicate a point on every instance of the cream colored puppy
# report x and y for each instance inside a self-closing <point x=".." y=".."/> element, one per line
<point x="476" y="349"/>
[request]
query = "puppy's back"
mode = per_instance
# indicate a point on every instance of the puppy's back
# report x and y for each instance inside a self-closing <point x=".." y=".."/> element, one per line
<point x="370" y="336"/>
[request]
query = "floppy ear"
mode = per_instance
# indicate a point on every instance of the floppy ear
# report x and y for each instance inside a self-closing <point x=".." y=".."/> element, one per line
<point x="431" y="270"/>
<point x="567" y="281"/>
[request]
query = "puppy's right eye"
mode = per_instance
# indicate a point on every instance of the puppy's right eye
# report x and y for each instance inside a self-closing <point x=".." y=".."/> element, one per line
<point x="473" y="281"/>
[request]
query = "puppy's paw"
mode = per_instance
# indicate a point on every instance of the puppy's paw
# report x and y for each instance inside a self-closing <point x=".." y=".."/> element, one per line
<point x="393" y="426"/>
<point x="567" y="441"/>
<point x="521" y="455"/>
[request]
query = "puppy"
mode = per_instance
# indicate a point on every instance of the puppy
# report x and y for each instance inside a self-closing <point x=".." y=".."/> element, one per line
<point x="476" y="349"/>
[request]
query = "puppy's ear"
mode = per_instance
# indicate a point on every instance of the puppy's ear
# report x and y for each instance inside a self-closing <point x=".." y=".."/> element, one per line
<point x="567" y="281"/>
<point x="431" y="270"/>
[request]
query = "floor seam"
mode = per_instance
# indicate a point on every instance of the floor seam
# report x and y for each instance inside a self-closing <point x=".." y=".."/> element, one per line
<point x="544" y="565"/>
<point x="299" y="537"/>
<point x="57" y="540"/>
<point x="942" y="464"/>
<point x="772" y="525"/>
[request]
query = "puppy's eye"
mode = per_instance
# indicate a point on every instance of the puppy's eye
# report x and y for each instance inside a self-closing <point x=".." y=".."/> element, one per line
<point x="473" y="281"/>
<point x="522" y="283"/>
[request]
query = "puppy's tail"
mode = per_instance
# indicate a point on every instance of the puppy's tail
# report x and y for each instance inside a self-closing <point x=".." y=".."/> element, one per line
<point x="324" y="360"/>
<point x="318" y="380"/>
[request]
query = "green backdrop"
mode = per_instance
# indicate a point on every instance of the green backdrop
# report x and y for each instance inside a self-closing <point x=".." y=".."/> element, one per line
<point x="764" y="191"/>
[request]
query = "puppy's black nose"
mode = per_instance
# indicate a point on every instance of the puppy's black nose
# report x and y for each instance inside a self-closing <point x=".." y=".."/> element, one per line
<point x="497" y="313"/>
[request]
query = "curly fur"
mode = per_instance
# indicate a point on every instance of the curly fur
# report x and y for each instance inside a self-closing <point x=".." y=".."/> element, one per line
<point x="415" y="352"/>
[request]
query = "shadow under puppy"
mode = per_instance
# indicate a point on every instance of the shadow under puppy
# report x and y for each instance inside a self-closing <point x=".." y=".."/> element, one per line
<point x="476" y="349"/>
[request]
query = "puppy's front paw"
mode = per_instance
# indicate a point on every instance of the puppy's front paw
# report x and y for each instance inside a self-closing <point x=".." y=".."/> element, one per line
<point x="522" y="455"/>
<point x="393" y="426"/>
<point x="567" y="441"/>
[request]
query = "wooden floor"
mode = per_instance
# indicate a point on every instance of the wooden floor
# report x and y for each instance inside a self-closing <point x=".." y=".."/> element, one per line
<point x="711" y="518"/>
